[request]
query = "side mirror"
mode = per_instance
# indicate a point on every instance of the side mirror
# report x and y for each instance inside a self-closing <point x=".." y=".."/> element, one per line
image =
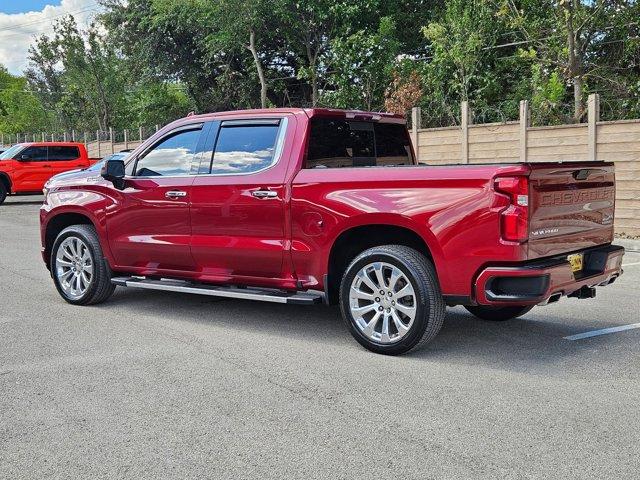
<point x="113" y="171"/>
<point x="24" y="157"/>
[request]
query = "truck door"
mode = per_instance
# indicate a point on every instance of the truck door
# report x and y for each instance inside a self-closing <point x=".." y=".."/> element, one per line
<point x="32" y="169"/>
<point x="238" y="200"/>
<point x="151" y="229"/>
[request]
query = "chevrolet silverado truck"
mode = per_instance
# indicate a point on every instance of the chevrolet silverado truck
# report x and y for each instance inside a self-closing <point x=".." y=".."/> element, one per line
<point x="26" y="167"/>
<point x="304" y="206"/>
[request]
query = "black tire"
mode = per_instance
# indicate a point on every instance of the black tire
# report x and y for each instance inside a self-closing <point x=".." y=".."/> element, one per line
<point x="499" y="314"/>
<point x="430" y="305"/>
<point x="100" y="287"/>
<point x="3" y="192"/>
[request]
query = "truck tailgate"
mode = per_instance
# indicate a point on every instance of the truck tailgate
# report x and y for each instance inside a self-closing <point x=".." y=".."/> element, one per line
<point x="571" y="207"/>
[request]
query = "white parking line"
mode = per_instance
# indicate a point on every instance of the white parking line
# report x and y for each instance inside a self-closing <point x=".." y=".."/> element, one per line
<point x="630" y="264"/>
<point x="604" y="331"/>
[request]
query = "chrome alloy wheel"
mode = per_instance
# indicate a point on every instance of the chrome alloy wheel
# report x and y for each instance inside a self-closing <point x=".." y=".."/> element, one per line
<point x="74" y="267"/>
<point x="382" y="302"/>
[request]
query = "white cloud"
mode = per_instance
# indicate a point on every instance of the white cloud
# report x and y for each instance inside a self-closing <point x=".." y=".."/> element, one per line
<point x="18" y="31"/>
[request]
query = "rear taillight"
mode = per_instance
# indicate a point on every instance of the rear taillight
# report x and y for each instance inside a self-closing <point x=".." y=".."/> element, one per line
<point x="514" y="222"/>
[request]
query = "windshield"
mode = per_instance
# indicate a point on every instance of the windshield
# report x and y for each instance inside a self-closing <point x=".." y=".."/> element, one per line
<point x="96" y="166"/>
<point x="11" y="152"/>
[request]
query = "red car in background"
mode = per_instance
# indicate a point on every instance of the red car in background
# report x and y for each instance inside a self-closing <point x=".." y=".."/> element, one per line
<point x="26" y="167"/>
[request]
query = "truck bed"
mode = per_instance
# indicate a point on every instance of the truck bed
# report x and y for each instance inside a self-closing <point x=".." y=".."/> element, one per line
<point x="456" y="209"/>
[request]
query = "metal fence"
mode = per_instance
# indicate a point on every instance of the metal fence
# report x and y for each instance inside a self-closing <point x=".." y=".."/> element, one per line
<point x="124" y="137"/>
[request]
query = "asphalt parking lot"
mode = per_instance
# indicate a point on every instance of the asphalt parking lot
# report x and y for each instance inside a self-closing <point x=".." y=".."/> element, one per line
<point x="161" y="385"/>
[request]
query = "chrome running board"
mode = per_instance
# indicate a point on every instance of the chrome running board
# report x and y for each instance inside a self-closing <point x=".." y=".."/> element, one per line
<point x="248" y="293"/>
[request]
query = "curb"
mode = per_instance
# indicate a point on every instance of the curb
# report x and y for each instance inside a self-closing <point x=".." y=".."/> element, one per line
<point x="629" y="245"/>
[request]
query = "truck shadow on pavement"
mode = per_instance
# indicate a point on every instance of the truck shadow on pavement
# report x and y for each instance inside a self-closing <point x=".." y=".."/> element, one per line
<point x="534" y="341"/>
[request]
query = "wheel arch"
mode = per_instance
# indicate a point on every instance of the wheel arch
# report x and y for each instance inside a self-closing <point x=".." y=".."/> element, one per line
<point x="58" y="223"/>
<point x="357" y="238"/>
<point x="6" y="180"/>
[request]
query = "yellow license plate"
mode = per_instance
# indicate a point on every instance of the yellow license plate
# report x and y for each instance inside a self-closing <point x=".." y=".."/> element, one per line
<point x="575" y="261"/>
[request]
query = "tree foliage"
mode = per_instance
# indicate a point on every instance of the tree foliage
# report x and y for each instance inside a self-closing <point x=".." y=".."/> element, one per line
<point x="361" y="66"/>
<point x="590" y="44"/>
<point x="19" y="111"/>
<point x="145" y="62"/>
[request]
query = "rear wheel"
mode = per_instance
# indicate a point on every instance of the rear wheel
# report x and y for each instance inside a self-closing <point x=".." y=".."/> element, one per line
<point x="390" y="299"/>
<point x="3" y="192"/>
<point x="499" y="314"/>
<point x="79" y="270"/>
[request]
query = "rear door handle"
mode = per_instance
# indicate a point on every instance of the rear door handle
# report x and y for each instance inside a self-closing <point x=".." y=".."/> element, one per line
<point x="173" y="194"/>
<point x="264" y="194"/>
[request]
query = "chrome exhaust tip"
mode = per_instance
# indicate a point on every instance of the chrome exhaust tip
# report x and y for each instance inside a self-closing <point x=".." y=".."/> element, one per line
<point x="552" y="299"/>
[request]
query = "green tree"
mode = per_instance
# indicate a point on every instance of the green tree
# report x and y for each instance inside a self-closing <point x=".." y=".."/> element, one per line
<point x="361" y="67"/>
<point x="79" y="76"/>
<point x="588" y="42"/>
<point x="149" y="61"/>
<point x="247" y="25"/>
<point x="310" y="27"/>
<point x="461" y="62"/>
<point x="171" y="41"/>
<point x="20" y="110"/>
<point x="84" y="80"/>
<point x="459" y="42"/>
<point x="156" y="103"/>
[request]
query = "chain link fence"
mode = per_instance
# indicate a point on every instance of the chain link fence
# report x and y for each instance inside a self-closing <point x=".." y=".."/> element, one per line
<point x="439" y="113"/>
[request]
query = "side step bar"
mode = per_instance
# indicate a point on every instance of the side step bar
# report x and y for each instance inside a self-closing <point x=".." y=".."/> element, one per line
<point x="248" y="293"/>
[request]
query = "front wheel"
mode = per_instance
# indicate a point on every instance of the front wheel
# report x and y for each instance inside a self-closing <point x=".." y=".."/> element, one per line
<point x="499" y="314"/>
<point x="79" y="270"/>
<point x="390" y="299"/>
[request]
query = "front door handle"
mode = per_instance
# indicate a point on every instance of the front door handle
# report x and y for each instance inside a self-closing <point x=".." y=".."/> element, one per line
<point x="264" y="194"/>
<point x="173" y="194"/>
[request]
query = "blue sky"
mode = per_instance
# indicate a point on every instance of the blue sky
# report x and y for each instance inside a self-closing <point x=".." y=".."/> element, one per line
<point x="21" y="6"/>
<point x="22" y="21"/>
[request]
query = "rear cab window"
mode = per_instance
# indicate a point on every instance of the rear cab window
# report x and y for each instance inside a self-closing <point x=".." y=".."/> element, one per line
<point x="344" y="143"/>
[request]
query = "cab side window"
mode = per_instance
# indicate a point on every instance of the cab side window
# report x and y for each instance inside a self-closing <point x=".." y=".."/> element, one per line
<point x="63" y="153"/>
<point x="33" y="154"/>
<point x="244" y="147"/>
<point x="172" y="156"/>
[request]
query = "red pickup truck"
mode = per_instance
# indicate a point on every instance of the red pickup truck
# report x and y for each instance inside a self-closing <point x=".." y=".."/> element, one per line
<point x="305" y="206"/>
<point x="25" y="167"/>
